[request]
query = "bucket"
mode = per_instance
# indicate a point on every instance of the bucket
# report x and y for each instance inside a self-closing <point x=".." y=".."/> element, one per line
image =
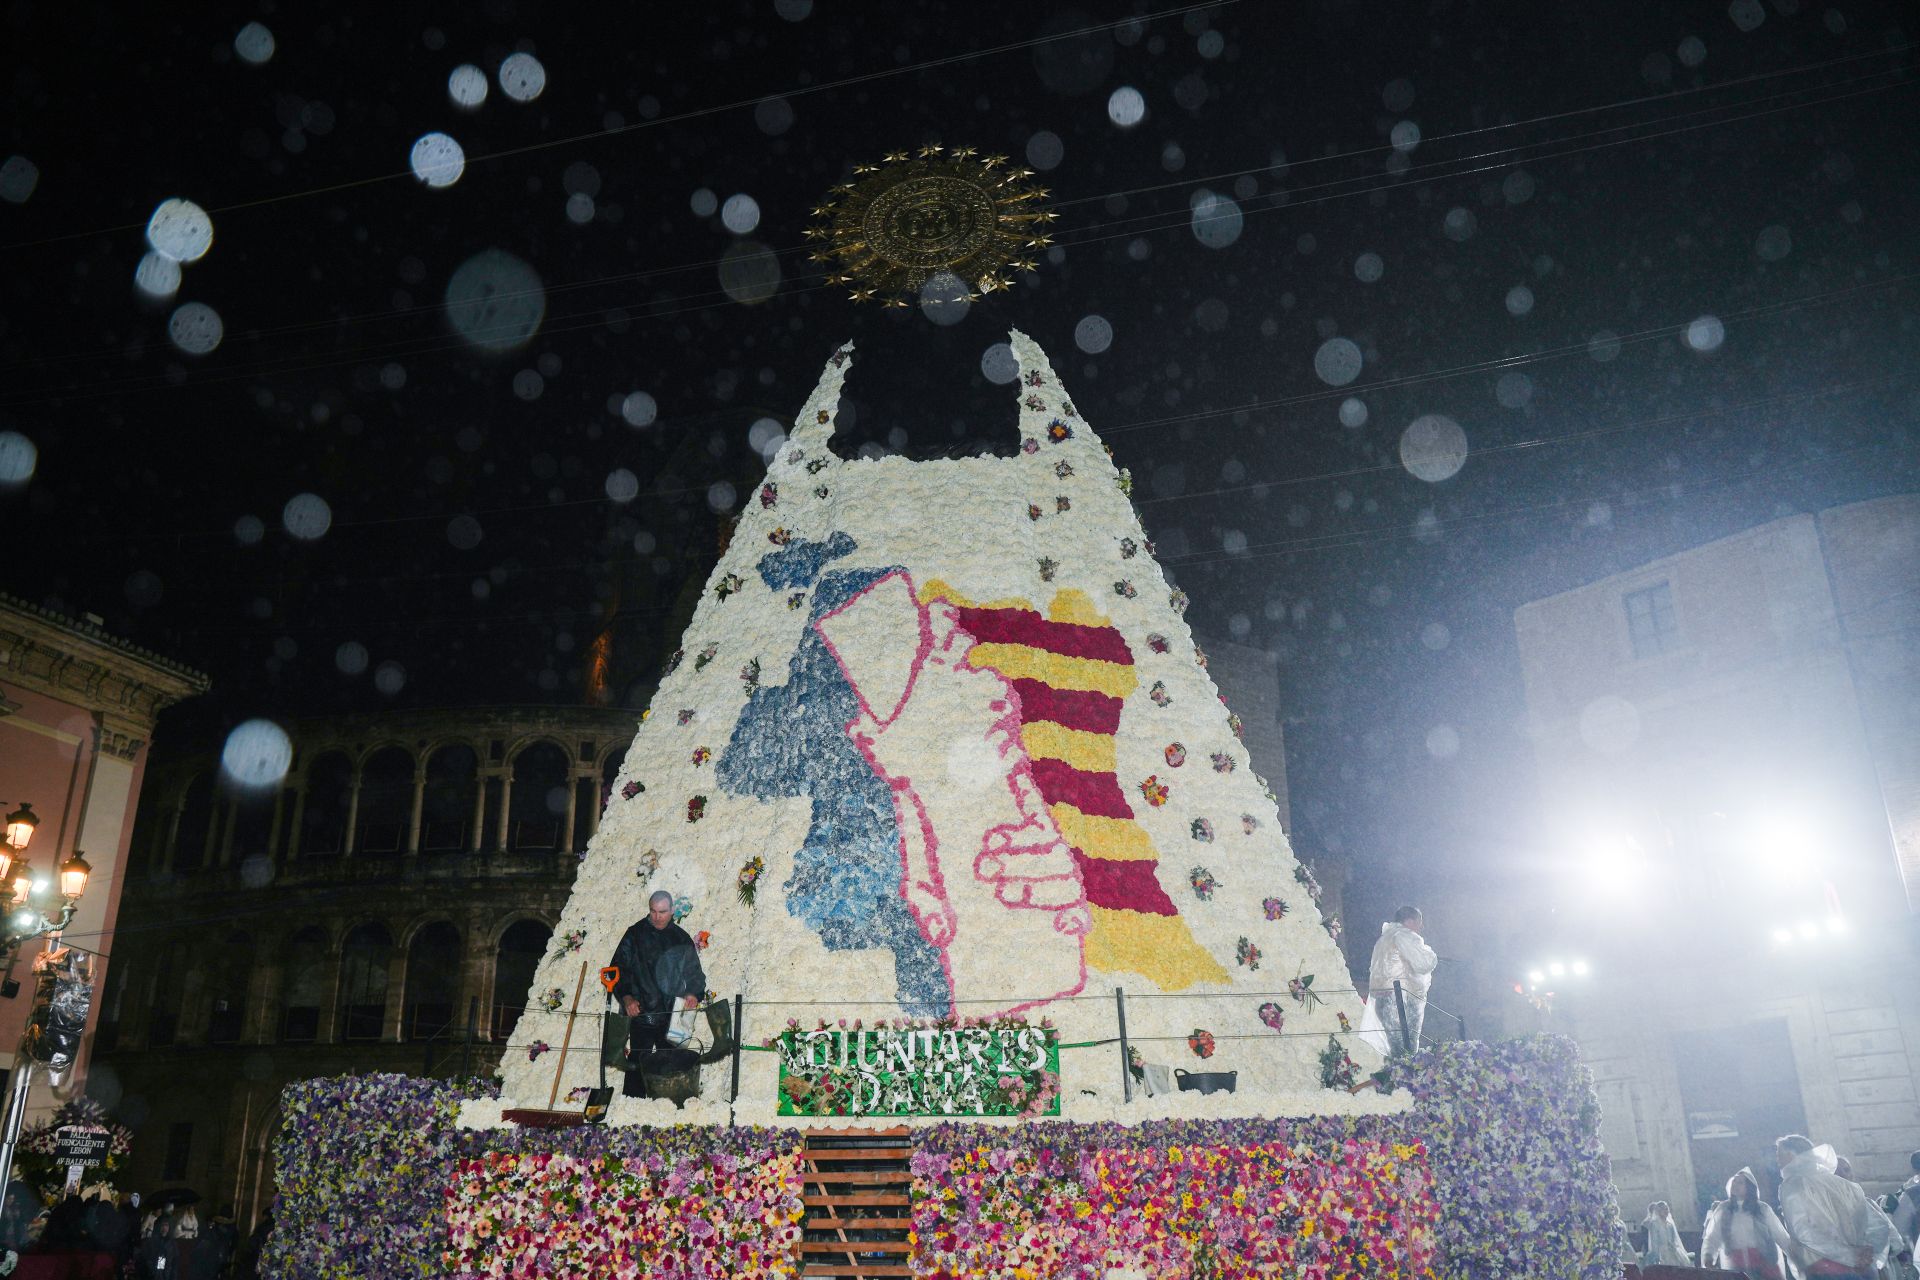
<point x="1207" y="1081"/>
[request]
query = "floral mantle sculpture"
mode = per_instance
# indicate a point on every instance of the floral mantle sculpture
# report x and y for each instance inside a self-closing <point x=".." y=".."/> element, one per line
<point x="935" y="702"/>
<point x="1495" y="1174"/>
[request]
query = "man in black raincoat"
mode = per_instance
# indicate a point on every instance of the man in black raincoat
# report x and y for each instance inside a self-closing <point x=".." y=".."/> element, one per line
<point x="659" y="969"/>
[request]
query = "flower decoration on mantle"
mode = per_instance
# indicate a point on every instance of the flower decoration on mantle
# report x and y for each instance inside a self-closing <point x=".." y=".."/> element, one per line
<point x="749" y="881"/>
<point x="1029" y="445"/>
<point x="1202" y="830"/>
<point x="1125" y="589"/>
<point x="682" y="908"/>
<point x="1035" y="403"/>
<point x="750" y="674"/>
<point x="1237" y="725"/>
<point x="1178" y="599"/>
<point x="727" y="586"/>
<point x="1271" y="1015"/>
<point x="572" y="941"/>
<point x="1063" y="469"/>
<point x="1033" y="511"/>
<point x="1332" y="926"/>
<point x="1249" y="823"/>
<point x="798" y="600"/>
<point x="1200" y="657"/>
<point x="815" y="467"/>
<point x="703" y="938"/>
<point x="1058" y="431"/>
<point x="1159" y="694"/>
<point x="1048" y="567"/>
<point x="633" y="788"/>
<point x="696" y="808"/>
<point x="646" y="864"/>
<point x="821" y="492"/>
<point x="1201" y="1042"/>
<point x="701" y="755"/>
<point x="1062" y="504"/>
<point x="1304" y="875"/>
<point x="1222" y="762"/>
<point x="1300" y="987"/>
<point x="1129" y="548"/>
<point x="1035" y="378"/>
<point x="553" y="1000"/>
<point x="673" y="662"/>
<point x="1275" y="908"/>
<point x="702" y="658"/>
<point x="1345" y="1025"/>
<point x="1157" y="642"/>
<point x="1123" y="481"/>
<point x="1154" y="791"/>
<point x="685" y="717"/>
<point x="1203" y="883"/>
<point x="1176" y="755"/>
<point x="780" y="537"/>
<point x="1246" y="953"/>
<point x="537" y="1048"/>
<point x="1337" y="1070"/>
<point x="769" y="494"/>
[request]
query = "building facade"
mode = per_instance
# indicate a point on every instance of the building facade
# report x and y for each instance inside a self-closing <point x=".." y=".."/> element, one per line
<point x="77" y="710"/>
<point x="382" y="909"/>
<point x="1728" y="745"/>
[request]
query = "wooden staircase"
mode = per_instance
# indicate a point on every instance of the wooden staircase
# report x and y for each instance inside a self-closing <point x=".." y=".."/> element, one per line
<point x="854" y="1185"/>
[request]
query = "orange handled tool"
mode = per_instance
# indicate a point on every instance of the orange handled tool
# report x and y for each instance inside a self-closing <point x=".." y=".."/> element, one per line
<point x="610" y="977"/>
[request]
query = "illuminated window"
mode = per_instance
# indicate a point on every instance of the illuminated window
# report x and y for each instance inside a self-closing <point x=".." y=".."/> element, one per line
<point x="1651" y="623"/>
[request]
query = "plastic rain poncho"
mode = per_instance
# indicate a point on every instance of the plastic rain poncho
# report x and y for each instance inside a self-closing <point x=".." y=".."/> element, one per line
<point x="1742" y="1241"/>
<point x="1828" y="1217"/>
<point x="1663" y="1244"/>
<point x="1404" y="956"/>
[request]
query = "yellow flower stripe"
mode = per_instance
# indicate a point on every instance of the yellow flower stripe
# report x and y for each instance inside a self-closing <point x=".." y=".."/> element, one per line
<point x="1090" y="752"/>
<point x="1112" y="839"/>
<point x="1158" y="946"/>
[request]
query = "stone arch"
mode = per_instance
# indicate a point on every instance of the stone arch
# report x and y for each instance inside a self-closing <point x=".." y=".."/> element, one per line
<point x="385" y="810"/>
<point x="452" y="792"/>
<point x="366" y="957"/>
<point x="518" y="950"/>
<point x="539" y="774"/>
<point x="323" y="830"/>
<point x="434" y="949"/>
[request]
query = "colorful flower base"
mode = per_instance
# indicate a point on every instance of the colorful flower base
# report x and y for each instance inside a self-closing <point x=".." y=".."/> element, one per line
<point x="1497" y="1174"/>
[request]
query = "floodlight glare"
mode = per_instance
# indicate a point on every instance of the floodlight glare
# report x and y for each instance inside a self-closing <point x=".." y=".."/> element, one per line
<point x="1536" y="977"/>
<point x="1808" y="929"/>
<point x="1557" y="969"/>
<point x="1836" y="924"/>
<point x="1783" y="936"/>
<point x="1579" y="968"/>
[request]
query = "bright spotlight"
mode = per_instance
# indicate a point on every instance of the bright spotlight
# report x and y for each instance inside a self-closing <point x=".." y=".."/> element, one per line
<point x="1836" y="924"/>
<point x="24" y="919"/>
<point x="1783" y="936"/>
<point x="1557" y="969"/>
<point x="1580" y="969"/>
<point x="1536" y="977"/>
<point x="1808" y="929"/>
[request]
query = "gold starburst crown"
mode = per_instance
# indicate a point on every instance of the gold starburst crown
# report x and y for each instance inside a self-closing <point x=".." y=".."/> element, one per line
<point x="917" y="214"/>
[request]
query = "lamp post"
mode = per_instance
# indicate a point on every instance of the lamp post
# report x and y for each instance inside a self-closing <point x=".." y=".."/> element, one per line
<point x="50" y="1037"/>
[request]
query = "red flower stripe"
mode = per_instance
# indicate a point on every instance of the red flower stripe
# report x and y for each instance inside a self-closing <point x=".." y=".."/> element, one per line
<point x="1098" y="794"/>
<point x="1125" y="886"/>
<point x="1069" y="708"/>
<point x="1027" y="627"/>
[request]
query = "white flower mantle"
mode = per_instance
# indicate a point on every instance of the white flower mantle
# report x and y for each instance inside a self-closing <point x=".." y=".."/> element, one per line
<point x="993" y="530"/>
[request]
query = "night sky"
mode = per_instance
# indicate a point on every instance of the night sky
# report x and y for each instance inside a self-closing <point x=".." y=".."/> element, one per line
<point x="1657" y="262"/>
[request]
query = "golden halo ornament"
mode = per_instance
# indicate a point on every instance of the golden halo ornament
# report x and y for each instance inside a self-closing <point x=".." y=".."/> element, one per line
<point x="916" y="214"/>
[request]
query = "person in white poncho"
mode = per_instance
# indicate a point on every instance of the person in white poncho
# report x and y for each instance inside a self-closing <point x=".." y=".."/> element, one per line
<point x="1400" y="955"/>
<point x="1743" y="1232"/>
<point x="1836" y="1234"/>
<point x="1663" y="1239"/>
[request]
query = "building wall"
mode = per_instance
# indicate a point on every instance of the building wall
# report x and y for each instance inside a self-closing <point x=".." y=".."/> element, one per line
<point x="1757" y="774"/>
<point x="196" y="1040"/>
<point x="77" y="711"/>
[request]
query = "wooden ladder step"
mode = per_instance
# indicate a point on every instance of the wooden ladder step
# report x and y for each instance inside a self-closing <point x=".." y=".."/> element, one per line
<point x="897" y="1131"/>
<point x="897" y="1155"/>
<point x="825" y="1269"/>
<point x="859" y="1177"/>
<point x="859" y="1224"/>
<point x="857" y="1198"/>
<point x="855" y="1246"/>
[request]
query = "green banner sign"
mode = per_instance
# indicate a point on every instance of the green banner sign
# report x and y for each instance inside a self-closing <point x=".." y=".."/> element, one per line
<point x="920" y="1071"/>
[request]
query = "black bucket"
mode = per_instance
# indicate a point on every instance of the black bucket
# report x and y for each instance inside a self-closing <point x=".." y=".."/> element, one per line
<point x="673" y="1074"/>
<point x="1207" y="1081"/>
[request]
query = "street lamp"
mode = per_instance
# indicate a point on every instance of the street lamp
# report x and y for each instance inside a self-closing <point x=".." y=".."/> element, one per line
<point x="20" y="825"/>
<point x="73" y="877"/>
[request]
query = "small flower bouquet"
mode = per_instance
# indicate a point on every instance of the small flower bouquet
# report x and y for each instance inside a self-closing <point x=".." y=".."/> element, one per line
<point x="1247" y="954"/>
<point x="1275" y="908"/>
<point x="572" y="941"/>
<point x="1201" y="1042"/>
<point x="1159" y="694"/>
<point x="1222" y="762"/>
<point x="1202" y="830"/>
<point x="1203" y="883"/>
<point x="702" y="658"/>
<point x="1176" y="755"/>
<point x="696" y="808"/>
<point x="769" y="494"/>
<point x="632" y="789"/>
<point x="750" y="674"/>
<point x="728" y="586"/>
<point x="701" y="755"/>
<point x="1272" y="1016"/>
<point x="1337" y="1070"/>
<point x="1300" y="987"/>
<point x="537" y="1048"/>
<point x="749" y="880"/>
<point x="553" y="999"/>
<point x="1154" y="791"/>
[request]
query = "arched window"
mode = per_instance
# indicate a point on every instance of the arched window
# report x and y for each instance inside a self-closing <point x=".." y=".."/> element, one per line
<point x="521" y="947"/>
<point x="363" y="982"/>
<point x="329" y="783"/>
<point x="446" y="809"/>
<point x="303" y="985"/>
<point x="169" y="985"/>
<point x="196" y="825"/>
<point x="386" y="801"/>
<point x="539" y="798"/>
<point x="226" y="989"/>
<point x="433" y="981"/>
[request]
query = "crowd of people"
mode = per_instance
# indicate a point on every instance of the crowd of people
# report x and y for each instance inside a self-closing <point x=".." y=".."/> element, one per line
<point x="1826" y="1227"/>
<point x="101" y="1234"/>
